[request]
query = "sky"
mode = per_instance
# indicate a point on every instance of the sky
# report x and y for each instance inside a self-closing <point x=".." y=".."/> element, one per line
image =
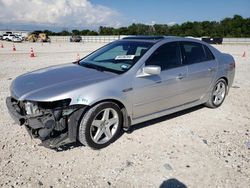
<point x="90" y="14"/>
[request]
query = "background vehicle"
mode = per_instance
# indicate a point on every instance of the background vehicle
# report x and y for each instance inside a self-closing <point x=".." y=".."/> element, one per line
<point x="38" y="37"/>
<point x="8" y="37"/>
<point x="211" y="40"/>
<point x="75" y="38"/>
<point x="126" y="82"/>
<point x="17" y="38"/>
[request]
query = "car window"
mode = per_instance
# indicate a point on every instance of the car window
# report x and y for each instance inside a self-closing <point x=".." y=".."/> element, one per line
<point x="166" y="56"/>
<point x="209" y="54"/>
<point x="140" y="51"/>
<point x="117" y="57"/>
<point x="193" y="52"/>
<point x="111" y="54"/>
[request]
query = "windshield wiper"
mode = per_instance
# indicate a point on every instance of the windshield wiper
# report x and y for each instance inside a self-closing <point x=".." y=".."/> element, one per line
<point x="92" y="66"/>
<point x="99" y="68"/>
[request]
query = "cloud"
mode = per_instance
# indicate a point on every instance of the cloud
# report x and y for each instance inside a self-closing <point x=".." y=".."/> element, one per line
<point x="64" y="13"/>
<point x="150" y="23"/>
<point x="171" y="23"/>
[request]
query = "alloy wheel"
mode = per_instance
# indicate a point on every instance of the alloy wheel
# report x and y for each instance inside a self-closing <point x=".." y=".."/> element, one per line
<point x="219" y="93"/>
<point x="104" y="126"/>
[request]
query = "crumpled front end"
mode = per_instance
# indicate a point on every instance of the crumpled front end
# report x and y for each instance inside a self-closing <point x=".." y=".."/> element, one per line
<point x="54" y="123"/>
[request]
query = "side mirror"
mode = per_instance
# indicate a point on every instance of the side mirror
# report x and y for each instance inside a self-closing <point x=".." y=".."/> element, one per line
<point x="150" y="70"/>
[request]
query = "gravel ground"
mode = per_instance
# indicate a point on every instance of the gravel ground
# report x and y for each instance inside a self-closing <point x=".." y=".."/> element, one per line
<point x="199" y="147"/>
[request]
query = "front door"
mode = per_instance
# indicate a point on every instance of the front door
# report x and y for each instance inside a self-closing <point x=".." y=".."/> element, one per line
<point x="155" y="93"/>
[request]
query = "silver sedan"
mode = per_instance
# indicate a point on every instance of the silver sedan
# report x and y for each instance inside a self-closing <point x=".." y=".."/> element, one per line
<point x="126" y="82"/>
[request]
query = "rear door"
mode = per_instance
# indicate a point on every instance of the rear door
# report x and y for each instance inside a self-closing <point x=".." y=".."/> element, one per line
<point x="156" y="93"/>
<point x="201" y="66"/>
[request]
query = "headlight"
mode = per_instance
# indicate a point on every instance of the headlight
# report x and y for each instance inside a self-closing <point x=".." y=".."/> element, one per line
<point x="31" y="108"/>
<point x="34" y="108"/>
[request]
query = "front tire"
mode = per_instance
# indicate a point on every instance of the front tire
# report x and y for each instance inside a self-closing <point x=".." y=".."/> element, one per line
<point x="100" y="125"/>
<point x="218" y="94"/>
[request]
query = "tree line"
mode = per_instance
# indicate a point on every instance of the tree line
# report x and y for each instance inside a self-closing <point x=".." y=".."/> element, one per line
<point x="237" y="26"/>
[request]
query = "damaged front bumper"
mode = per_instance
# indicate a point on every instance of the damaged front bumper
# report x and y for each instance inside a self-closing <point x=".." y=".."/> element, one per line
<point x="53" y="127"/>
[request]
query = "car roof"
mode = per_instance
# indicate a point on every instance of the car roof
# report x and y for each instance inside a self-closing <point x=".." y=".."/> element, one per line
<point x="156" y="39"/>
<point x="144" y="37"/>
<point x="153" y="39"/>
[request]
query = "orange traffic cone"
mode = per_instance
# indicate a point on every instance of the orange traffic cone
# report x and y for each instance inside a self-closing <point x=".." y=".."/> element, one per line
<point x="14" y="48"/>
<point x="2" y="45"/>
<point x="244" y="54"/>
<point x="32" y="54"/>
<point x="78" y="57"/>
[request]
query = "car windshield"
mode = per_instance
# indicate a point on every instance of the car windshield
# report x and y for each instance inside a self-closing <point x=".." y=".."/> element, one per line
<point x="117" y="57"/>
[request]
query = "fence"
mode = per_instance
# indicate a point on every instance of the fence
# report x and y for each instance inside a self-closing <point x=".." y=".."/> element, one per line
<point x="236" y="40"/>
<point x="110" y="38"/>
<point x="94" y="39"/>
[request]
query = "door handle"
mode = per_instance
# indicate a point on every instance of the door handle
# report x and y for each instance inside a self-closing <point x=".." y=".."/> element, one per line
<point x="180" y="76"/>
<point x="211" y="69"/>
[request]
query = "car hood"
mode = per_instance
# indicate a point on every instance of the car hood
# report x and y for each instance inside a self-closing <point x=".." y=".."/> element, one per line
<point x="54" y="81"/>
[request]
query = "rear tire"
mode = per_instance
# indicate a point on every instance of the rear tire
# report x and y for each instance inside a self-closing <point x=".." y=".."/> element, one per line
<point x="100" y="125"/>
<point x="218" y="94"/>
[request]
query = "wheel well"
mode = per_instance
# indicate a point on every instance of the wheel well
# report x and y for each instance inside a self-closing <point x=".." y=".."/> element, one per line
<point x="225" y="78"/>
<point x="120" y="105"/>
